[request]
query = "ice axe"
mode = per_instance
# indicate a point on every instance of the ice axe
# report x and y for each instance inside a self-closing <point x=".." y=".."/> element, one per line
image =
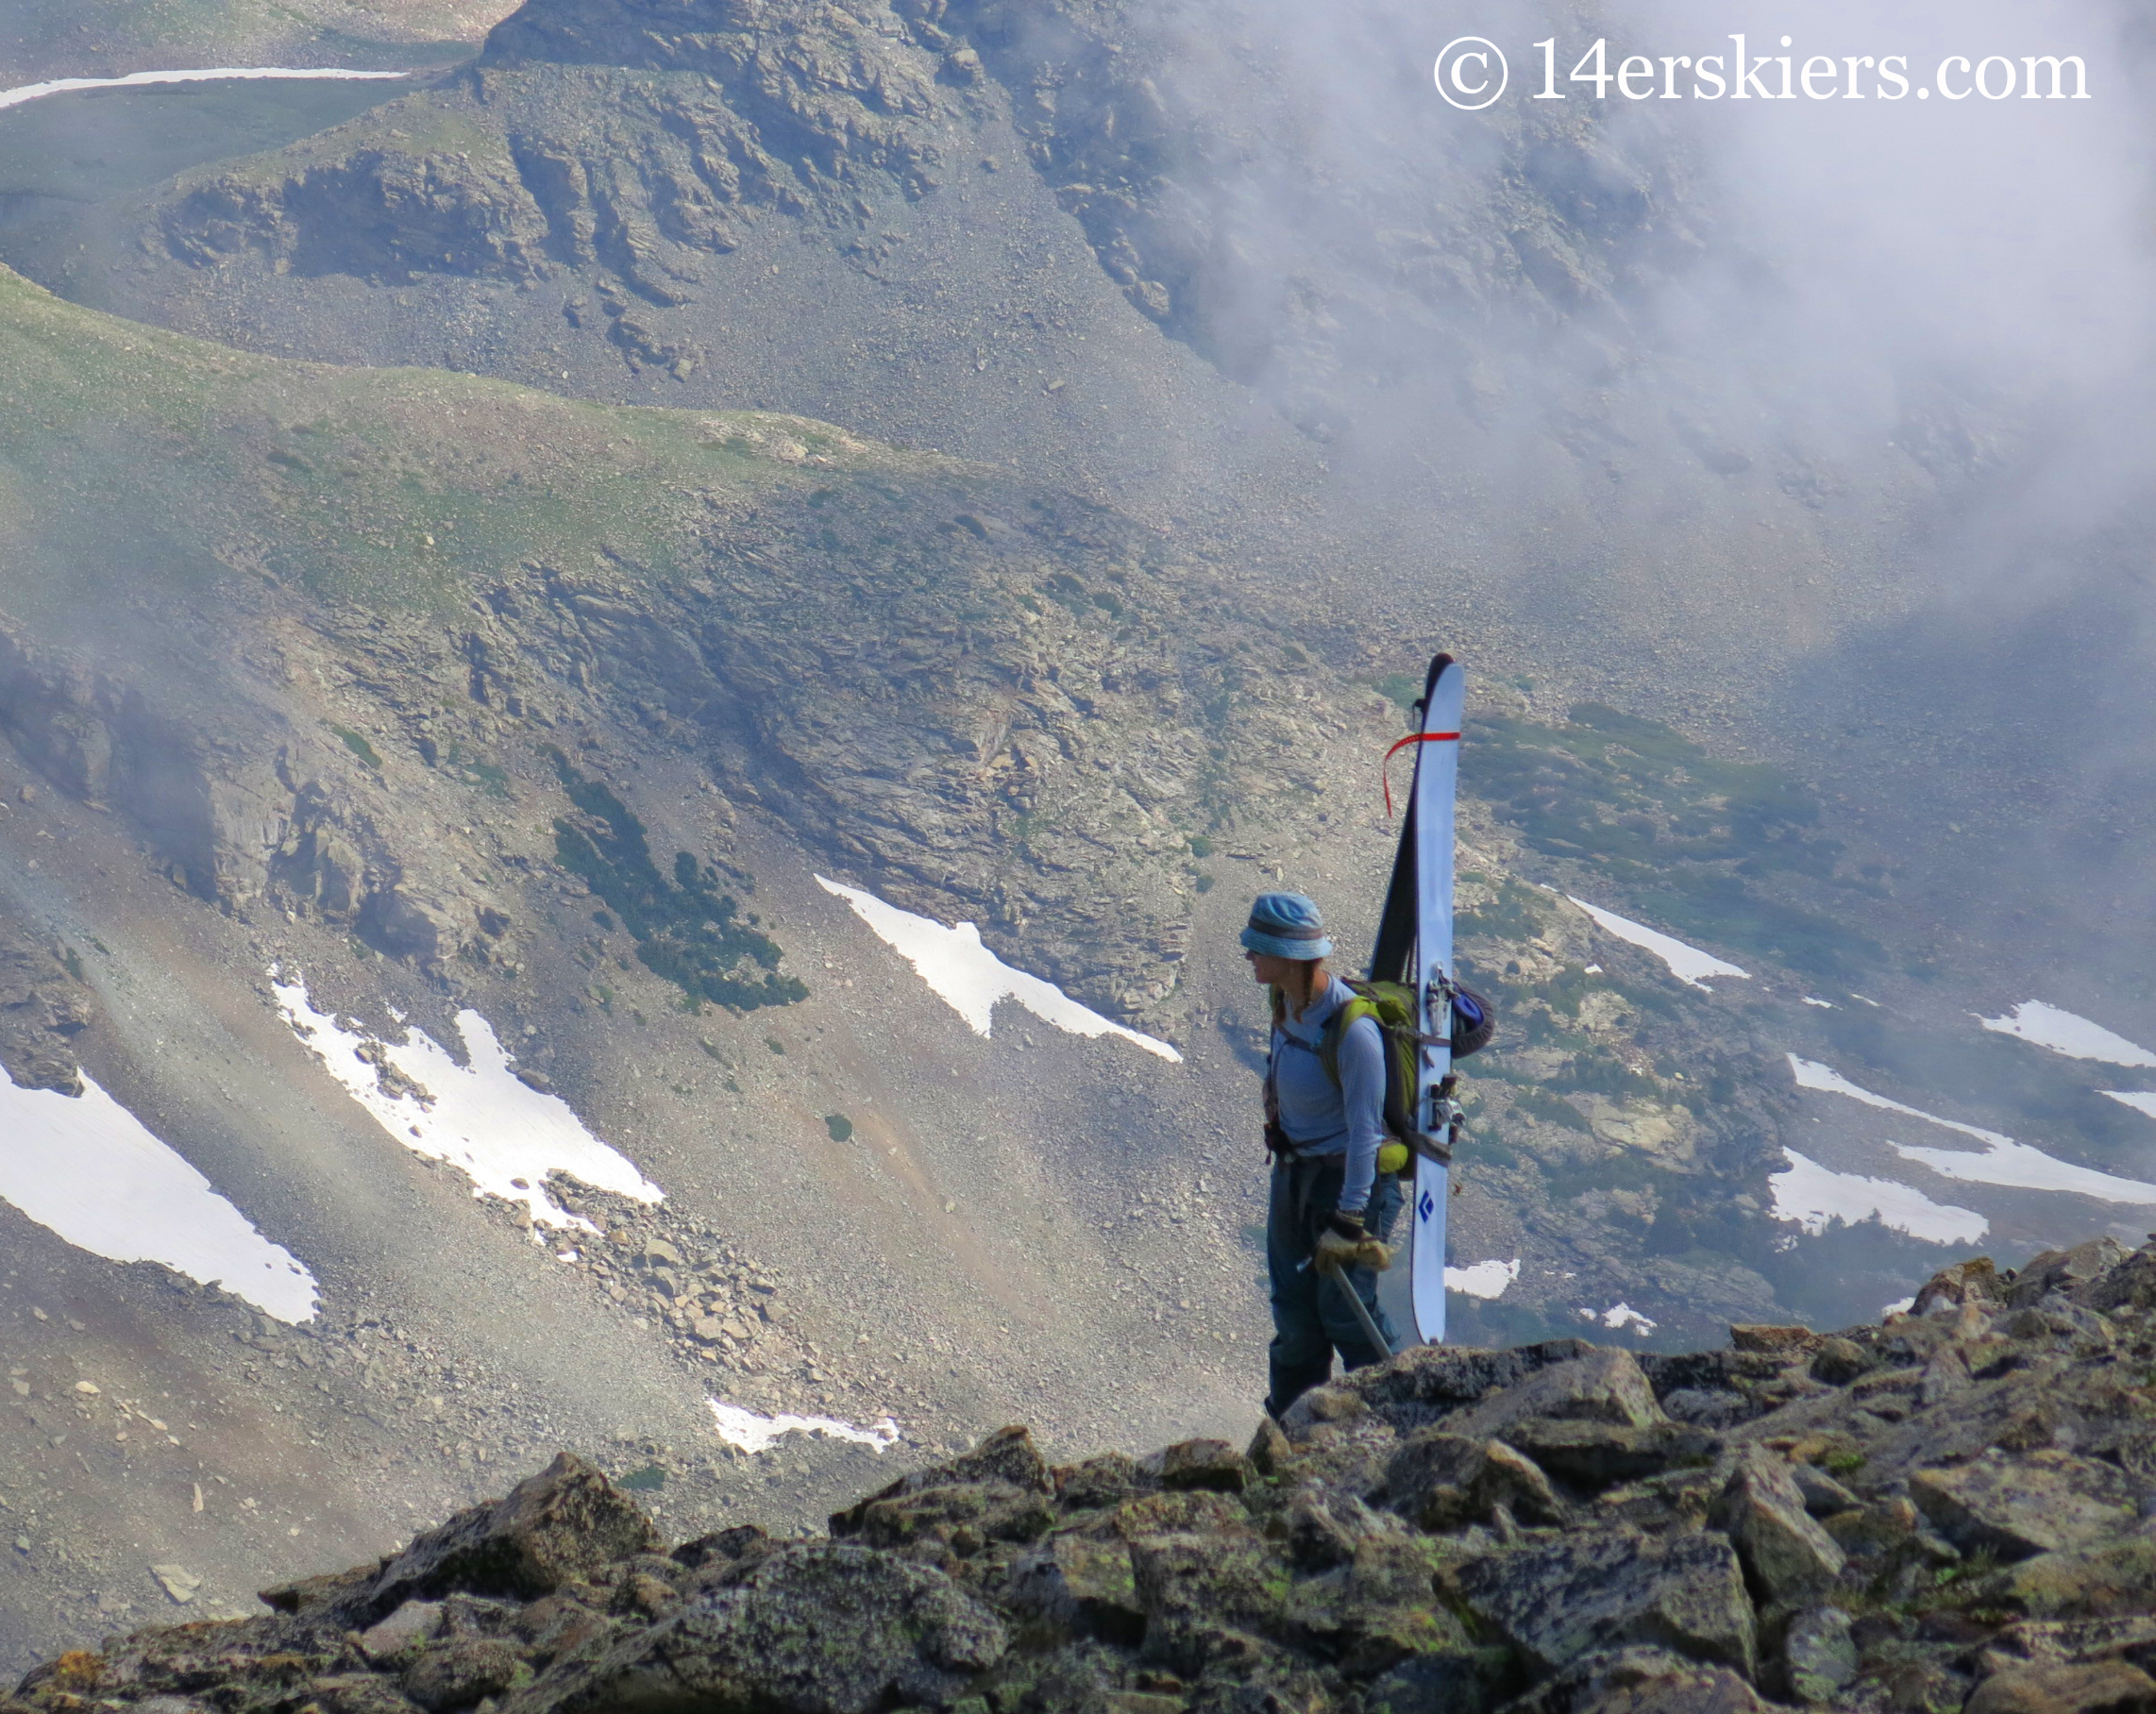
<point x="1354" y="1302"/>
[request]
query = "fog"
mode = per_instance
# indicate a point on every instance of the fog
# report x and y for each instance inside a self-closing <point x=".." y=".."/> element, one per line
<point x="1825" y="417"/>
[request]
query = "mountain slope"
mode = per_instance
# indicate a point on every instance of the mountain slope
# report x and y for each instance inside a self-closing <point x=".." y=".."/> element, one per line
<point x="392" y="752"/>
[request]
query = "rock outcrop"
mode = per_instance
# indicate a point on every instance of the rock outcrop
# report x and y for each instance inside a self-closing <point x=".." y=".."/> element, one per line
<point x="44" y="1006"/>
<point x="1455" y="1529"/>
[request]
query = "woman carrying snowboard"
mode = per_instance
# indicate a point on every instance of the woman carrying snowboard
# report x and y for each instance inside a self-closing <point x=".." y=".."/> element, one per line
<point x="1330" y="1207"/>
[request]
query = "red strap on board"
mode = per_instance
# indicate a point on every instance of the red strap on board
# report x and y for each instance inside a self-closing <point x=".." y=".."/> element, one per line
<point x="1384" y="768"/>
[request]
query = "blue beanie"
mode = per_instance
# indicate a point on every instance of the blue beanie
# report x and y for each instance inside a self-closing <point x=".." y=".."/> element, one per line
<point x="1287" y="926"/>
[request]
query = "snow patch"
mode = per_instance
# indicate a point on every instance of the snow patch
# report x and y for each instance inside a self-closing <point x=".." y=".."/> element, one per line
<point x="134" y="80"/>
<point x="2141" y="1101"/>
<point x="2050" y="1027"/>
<point x="1624" y="1314"/>
<point x="1900" y="1306"/>
<point x="1811" y="1195"/>
<point x="753" y="1433"/>
<point x="1485" y="1279"/>
<point x="85" y="1168"/>
<point x="1811" y="1000"/>
<point x="503" y="1135"/>
<point x="970" y="979"/>
<point x="1687" y="964"/>
<point x="2001" y="1161"/>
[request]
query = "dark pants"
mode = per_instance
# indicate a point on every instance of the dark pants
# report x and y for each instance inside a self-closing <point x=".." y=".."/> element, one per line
<point x="1311" y="1318"/>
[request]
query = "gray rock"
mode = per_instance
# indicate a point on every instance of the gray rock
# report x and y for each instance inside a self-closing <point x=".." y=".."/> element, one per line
<point x="2096" y="1687"/>
<point x="961" y="1518"/>
<point x="1597" y="1454"/>
<point x="1426" y="1383"/>
<point x="1787" y="1557"/>
<point x="1446" y="1680"/>
<point x="402" y="1633"/>
<point x="456" y="1673"/>
<point x="1975" y="1280"/>
<point x="1600" y="1387"/>
<point x="1007" y="1459"/>
<point x="1191" y="1464"/>
<point x="357" y="1693"/>
<point x="1191" y="1586"/>
<point x="1084" y="1583"/>
<point x="1641" y="1681"/>
<point x="2042" y="1503"/>
<point x="1440" y="1481"/>
<point x="2114" y="1578"/>
<point x="1819" y="1657"/>
<point x="1841" y="1361"/>
<point x="834" y="1628"/>
<point x="1559" y="1601"/>
<point x="2046" y="1641"/>
<point x="177" y="1582"/>
<point x="565" y="1522"/>
<point x="2072" y="1271"/>
<point x="1822" y="1495"/>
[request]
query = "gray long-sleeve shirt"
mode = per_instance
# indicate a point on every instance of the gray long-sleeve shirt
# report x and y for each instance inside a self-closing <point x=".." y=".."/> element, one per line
<point x="1320" y="1118"/>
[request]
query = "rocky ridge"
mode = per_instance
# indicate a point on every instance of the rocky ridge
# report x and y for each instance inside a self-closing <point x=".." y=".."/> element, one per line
<point x="1946" y="1510"/>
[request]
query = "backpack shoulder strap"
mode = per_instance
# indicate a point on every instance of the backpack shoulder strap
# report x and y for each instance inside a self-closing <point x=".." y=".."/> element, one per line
<point x="1361" y="1007"/>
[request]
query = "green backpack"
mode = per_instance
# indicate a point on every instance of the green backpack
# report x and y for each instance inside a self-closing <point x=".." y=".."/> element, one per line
<point x="1393" y="1006"/>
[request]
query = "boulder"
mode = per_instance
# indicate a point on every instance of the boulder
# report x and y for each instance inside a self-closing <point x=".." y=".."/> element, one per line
<point x="1641" y="1680"/>
<point x="1007" y="1458"/>
<point x="2114" y="1578"/>
<point x="1379" y="1613"/>
<point x="564" y="1523"/>
<point x="346" y="1694"/>
<point x="1790" y="1344"/>
<point x="1465" y="1679"/>
<point x="456" y="1673"/>
<point x="198" y="1659"/>
<point x="1190" y="1585"/>
<point x="959" y="1518"/>
<point x="1084" y="1583"/>
<point x="2041" y="1641"/>
<point x="822" y="1628"/>
<point x="2131" y="1285"/>
<point x="1107" y="1480"/>
<point x="2095" y="1687"/>
<point x="1427" y="1382"/>
<point x="2072" y="1271"/>
<point x="1212" y="1464"/>
<point x="729" y="1546"/>
<point x="1600" y="1387"/>
<point x="1202" y="1511"/>
<point x="1976" y="1281"/>
<point x="400" y="1636"/>
<point x="1269" y="1450"/>
<point x="1556" y="1601"/>
<point x="1787" y="1557"/>
<point x="1840" y="1361"/>
<point x="1822" y="1495"/>
<point x="2042" y="1503"/>
<point x="1595" y="1455"/>
<point x="1819" y="1655"/>
<point x="1440" y="1481"/>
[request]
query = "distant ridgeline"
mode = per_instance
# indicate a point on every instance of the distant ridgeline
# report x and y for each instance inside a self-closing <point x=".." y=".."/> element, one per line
<point x="686" y="930"/>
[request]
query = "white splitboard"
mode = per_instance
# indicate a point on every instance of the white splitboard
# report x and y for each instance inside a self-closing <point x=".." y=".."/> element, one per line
<point x="1430" y="810"/>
